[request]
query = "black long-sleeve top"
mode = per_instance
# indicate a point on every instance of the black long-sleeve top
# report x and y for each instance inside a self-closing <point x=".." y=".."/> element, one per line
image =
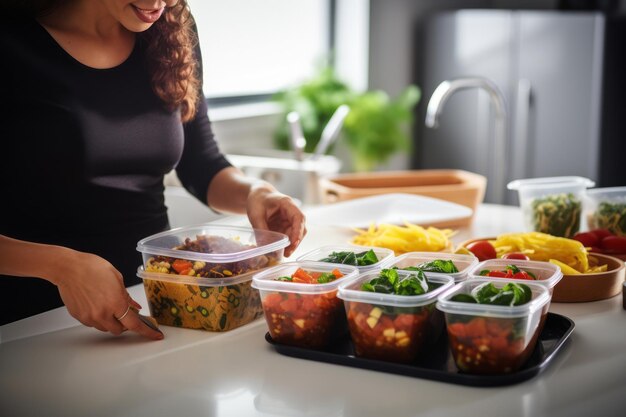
<point x="84" y="152"/>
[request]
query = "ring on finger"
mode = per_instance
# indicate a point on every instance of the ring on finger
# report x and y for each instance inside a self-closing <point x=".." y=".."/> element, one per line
<point x="123" y="315"/>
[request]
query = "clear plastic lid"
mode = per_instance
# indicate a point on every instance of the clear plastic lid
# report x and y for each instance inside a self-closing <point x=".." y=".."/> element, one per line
<point x="351" y="291"/>
<point x="540" y="297"/>
<point x="547" y="183"/>
<point x="266" y="280"/>
<point x="384" y="255"/>
<point x="200" y="281"/>
<point x="462" y="262"/>
<point x="238" y="243"/>
<point x="546" y="274"/>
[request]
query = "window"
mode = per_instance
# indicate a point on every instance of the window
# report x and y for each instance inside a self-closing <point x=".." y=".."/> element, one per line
<point x="257" y="47"/>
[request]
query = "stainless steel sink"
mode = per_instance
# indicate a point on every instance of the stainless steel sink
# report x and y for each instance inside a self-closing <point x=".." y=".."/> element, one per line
<point x="298" y="179"/>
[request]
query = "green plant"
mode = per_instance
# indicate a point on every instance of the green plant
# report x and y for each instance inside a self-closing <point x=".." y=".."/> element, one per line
<point x="376" y="127"/>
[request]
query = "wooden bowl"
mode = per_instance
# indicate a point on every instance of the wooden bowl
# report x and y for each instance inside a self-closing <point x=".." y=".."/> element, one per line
<point x="592" y="287"/>
<point x="586" y="287"/>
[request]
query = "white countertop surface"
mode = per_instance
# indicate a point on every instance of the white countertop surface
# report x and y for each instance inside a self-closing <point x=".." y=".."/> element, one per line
<point x="52" y="366"/>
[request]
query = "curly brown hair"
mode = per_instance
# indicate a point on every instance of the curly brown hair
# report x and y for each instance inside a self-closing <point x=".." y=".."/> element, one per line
<point x="173" y="65"/>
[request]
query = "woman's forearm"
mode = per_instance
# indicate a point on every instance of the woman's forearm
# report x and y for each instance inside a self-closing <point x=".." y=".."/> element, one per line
<point x="230" y="188"/>
<point x="27" y="259"/>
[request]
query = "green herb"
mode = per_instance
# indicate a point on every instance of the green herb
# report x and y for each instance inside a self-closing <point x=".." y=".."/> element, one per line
<point x="350" y="258"/>
<point x="284" y="279"/>
<point x="463" y="298"/>
<point x="326" y="277"/>
<point x="557" y="214"/>
<point x="438" y="265"/>
<point x="611" y="216"/>
<point x="511" y="294"/>
<point x="513" y="268"/>
<point x="389" y="282"/>
<point x="484" y="272"/>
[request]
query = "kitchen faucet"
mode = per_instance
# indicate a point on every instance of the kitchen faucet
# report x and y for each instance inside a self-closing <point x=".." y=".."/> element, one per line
<point x="445" y="90"/>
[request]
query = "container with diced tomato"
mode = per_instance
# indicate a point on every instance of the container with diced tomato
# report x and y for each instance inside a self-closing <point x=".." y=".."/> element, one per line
<point x="491" y="338"/>
<point x="517" y="270"/>
<point x="300" y="302"/>
<point x="389" y="326"/>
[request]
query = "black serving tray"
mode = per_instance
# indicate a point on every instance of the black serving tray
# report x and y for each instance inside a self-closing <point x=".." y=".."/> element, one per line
<point x="437" y="363"/>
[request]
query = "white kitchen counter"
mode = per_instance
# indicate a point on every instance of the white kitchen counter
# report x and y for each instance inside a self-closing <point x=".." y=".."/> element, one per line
<point x="52" y="366"/>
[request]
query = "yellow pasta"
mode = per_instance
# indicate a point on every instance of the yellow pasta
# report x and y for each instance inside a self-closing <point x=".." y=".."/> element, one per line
<point x="402" y="239"/>
<point x="543" y="247"/>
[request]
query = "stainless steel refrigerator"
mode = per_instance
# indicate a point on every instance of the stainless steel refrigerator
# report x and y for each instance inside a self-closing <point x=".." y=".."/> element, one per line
<point x="552" y="69"/>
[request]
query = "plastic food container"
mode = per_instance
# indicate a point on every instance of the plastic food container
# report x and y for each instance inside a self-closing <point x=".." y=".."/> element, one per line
<point x="391" y="327"/>
<point x="384" y="255"/>
<point x="546" y="274"/>
<point x="213" y="304"/>
<point x="605" y="208"/>
<point x="301" y="314"/>
<point x="552" y="205"/>
<point x="199" y="277"/>
<point x="462" y="262"/>
<point x="493" y="339"/>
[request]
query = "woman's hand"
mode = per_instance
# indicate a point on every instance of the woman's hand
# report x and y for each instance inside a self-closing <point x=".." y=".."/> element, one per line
<point x="93" y="292"/>
<point x="91" y="288"/>
<point x="270" y="210"/>
<point x="267" y="209"/>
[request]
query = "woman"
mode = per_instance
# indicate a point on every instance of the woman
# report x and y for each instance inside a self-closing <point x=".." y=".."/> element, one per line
<point x="100" y="99"/>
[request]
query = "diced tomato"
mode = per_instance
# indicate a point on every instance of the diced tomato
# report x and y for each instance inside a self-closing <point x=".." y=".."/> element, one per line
<point x="476" y="327"/>
<point x="290" y="305"/>
<point x="302" y="276"/>
<point x="337" y="273"/>
<point x="180" y="265"/>
<point x="497" y="274"/>
<point x="273" y="300"/>
<point x="522" y="275"/>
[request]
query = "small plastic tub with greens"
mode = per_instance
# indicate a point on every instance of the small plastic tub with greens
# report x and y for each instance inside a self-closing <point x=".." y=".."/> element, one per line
<point x="552" y="205"/>
<point x="363" y="257"/>
<point x="391" y="313"/>
<point x="605" y="208"/>
<point x="454" y="265"/>
<point x="493" y="326"/>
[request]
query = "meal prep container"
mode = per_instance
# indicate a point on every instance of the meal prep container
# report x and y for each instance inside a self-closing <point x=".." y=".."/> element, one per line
<point x="546" y="274"/>
<point x="605" y="208"/>
<point x="299" y="314"/>
<point x="384" y="255"/>
<point x="464" y="263"/>
<point x="492" y="339"/>
<point x="206" y="282"/>
<point x="392" y="327"/>
<point x="552" y="205"/>
<point x="213" y="304"/>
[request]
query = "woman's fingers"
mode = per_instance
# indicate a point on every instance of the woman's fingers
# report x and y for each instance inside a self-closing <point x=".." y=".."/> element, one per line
<point x="133" y="322"/>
